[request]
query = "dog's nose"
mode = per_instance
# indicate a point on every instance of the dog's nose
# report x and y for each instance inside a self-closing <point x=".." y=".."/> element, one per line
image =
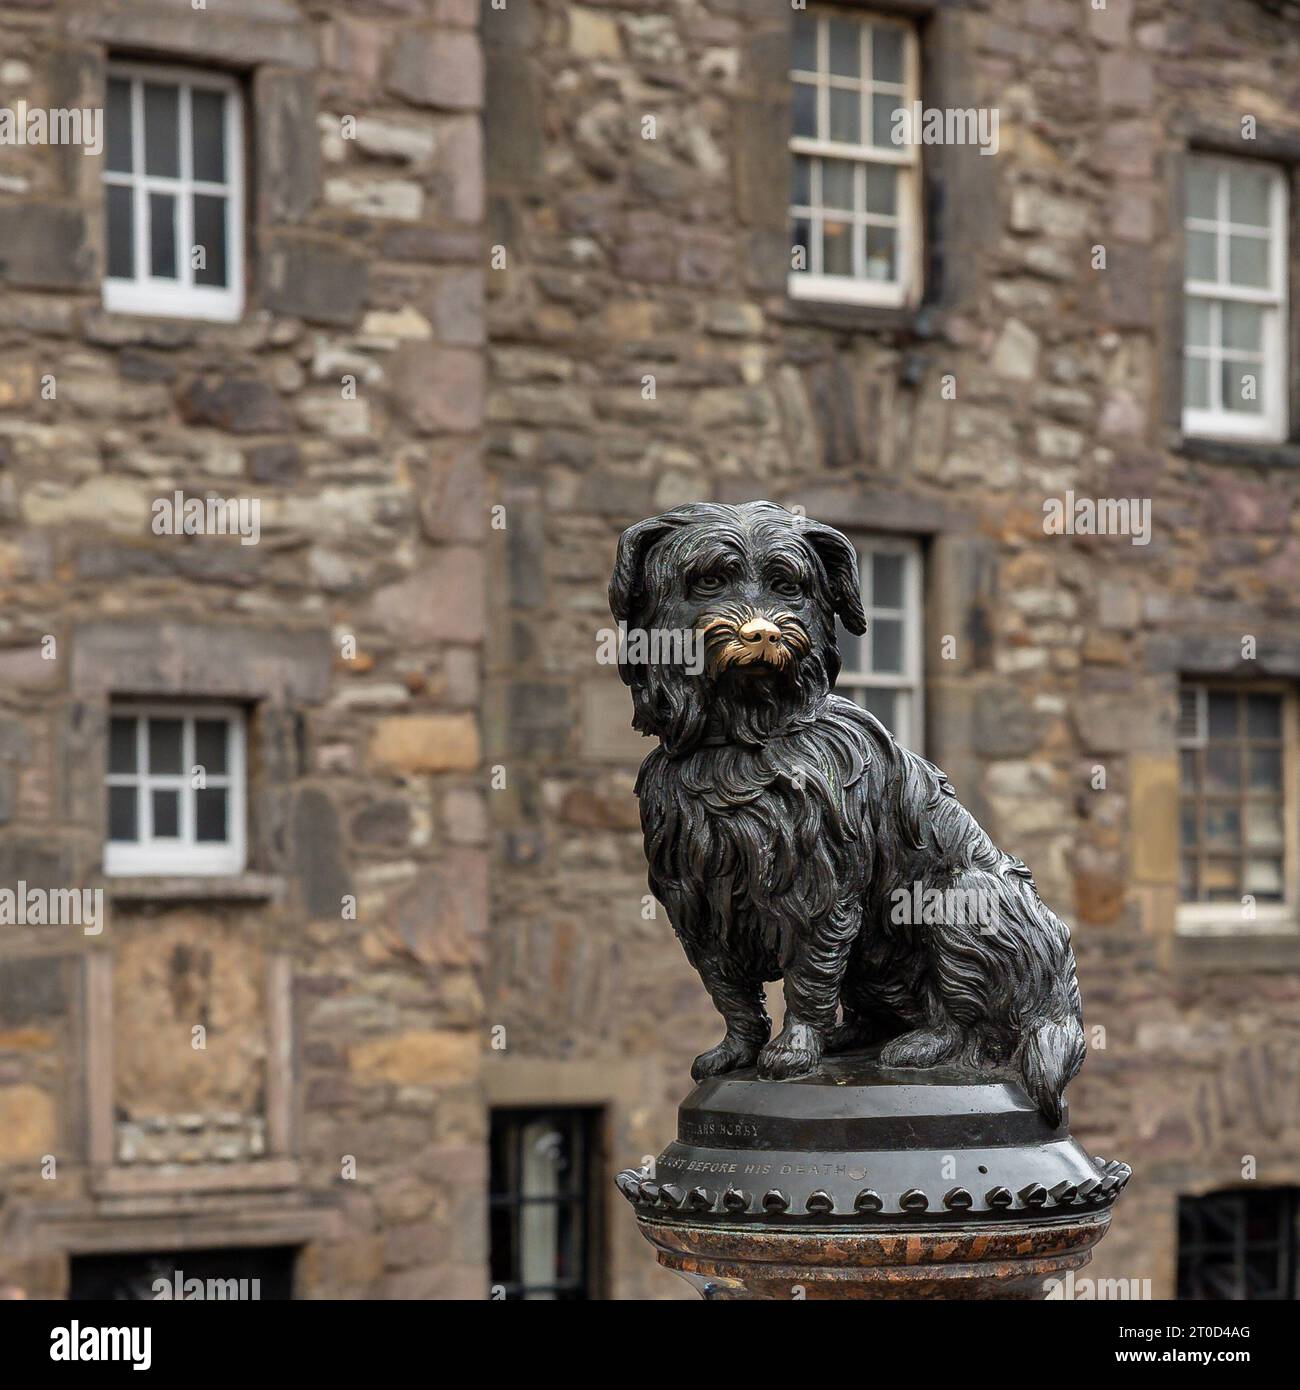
<point x="761" y="634"/>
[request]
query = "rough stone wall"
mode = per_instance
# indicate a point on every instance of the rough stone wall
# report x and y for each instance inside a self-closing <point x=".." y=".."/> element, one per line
<point x="364" y="256"/>
<point x="626" y="257"/>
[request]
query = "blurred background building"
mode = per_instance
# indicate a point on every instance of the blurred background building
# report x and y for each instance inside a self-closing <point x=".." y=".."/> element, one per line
<point x="379" y="1004"/>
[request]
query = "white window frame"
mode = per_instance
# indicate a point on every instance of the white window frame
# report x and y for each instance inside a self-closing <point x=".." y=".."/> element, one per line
<point x="181" y="298"/>
<point x="184" y="856"/>
<point x="910" y="682"/>
<point x="1226" y="918"/>
<point x="1270" y="425"/>
<point x="856" y="289"/>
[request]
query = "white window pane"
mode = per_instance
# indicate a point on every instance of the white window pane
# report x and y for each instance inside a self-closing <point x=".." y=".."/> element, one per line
<point x="1201" y="263"/>
<point x="886" y="580"/>
<point x="1248" y="261"/>
<point x="121" y="745"/>
<point x="1265" y="770"/>
<point x="882" y="189"/>
<point x="883" y="106"/>
<point x="1196" y="325"/>
<point x="166" y="807"/>
<point x="208" y="112"/>
<point x="845" y="38"/>
<point x="1221" y="827"/>
<point x="805" y="42"/>
<point x="887" y="54"/>
<point x="119" y="207"/>
<point x="209" y="221"/>
<point x="845" y="116"/>
<point x="1264" y="825"/>
<point x="837" y="247"/>
<point x="1222" y="770"/>
<point x="837" y="184"/>
<point x="1248" y="195"/>
<point x="210" y="745"/>
<point x="804" y="102"/>
<point x="117" y="153"/>
<point x="162" y="130"/>
<point x="162" y="236"/>
<point x="880" y="258"/>
<point x="165" y="746"/>
<point x="1196" y="383"/>
<point x="1243" y="326"/>
<point x="1263" y="878"/>
<point x="123" y="824"/>
<point x="210" y="814"/>
<point x="1243" y="387"/>
<point x="801" y="181"/>
<point x="886" y="646"/>
<point x="1264" y="716"/>
<point x="1223" y="714"/>
<point x="1201" y="191"/>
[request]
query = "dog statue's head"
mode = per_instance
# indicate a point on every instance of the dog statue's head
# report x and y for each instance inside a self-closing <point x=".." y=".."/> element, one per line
<point x="730" y="619"/>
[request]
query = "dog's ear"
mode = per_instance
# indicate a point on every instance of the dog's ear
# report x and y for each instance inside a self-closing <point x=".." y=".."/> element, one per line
<point x="840" y="561"/>
<point x="629" y="560"/>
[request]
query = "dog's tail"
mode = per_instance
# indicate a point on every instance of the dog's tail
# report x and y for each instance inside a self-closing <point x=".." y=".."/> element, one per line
<point x="1052" y="1052"/>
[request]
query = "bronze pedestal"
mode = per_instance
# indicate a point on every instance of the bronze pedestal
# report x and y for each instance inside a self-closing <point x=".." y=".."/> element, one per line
<point x="863" y="1181"/>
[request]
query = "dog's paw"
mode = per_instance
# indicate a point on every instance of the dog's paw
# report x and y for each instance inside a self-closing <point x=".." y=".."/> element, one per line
<point x="924" y="1047"/>
<point x="795" y="1051"/>
<point x="729" y="1055"/>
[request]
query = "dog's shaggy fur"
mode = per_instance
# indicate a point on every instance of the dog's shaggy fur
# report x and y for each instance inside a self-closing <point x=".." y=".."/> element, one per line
<point x="782" y="822"/>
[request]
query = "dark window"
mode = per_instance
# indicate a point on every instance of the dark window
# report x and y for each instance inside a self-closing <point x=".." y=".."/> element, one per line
<point x="547" y="1179"/>
<point x="225" y="1274"/>
<point x="1239" y="1244"/>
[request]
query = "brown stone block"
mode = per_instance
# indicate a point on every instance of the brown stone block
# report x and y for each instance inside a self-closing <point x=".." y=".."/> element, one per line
<point x="427" y="743"/>
<point x="28" y="1126"/>
<point x="443" y="70"/>
<point x="170" y="657"/>
<point x="443" y="602"/>
<point x="1154" y="819"/>
<point x="421" y="1057"/>
<point x="440" y="388"/>
<point x="315" y="280"/>
<point x="441" y="919"/>
<point x="288" y="146"/>
<point x="349" y="1266"/>
<point x="240" y="405"/>
<point x="17" y="381"/>
<point x="44" y="246"/>
<point x="452" y="504"/>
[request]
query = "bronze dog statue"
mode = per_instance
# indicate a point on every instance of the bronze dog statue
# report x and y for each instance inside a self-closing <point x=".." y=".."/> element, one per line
<point x="790" y="837"/>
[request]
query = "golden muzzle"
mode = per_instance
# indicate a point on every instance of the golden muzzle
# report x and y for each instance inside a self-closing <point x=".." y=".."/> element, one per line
<point x="745" y="638"/>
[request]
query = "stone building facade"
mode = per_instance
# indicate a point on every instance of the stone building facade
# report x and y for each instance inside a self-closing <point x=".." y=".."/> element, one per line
<point x="667" y="257"/>
<point x="515" y="279"/>
<point x="330" y="1104"/>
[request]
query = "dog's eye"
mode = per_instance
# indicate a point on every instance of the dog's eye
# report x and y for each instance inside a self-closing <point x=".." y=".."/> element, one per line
<point x="788" y="588"/>
<point x="706" y="585"/>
